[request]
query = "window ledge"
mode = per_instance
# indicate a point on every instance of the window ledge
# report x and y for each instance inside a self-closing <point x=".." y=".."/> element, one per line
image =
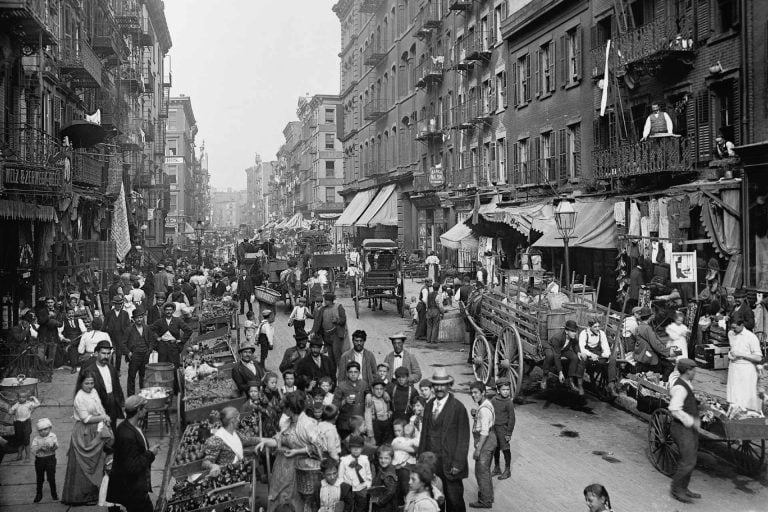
<point x="544" y="96"/>
<point x="522" y="105"/>
<point x="571" y="85"/>
<point x="722" y="36"/>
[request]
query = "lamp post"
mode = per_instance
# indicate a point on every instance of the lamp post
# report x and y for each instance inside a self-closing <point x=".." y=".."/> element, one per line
<point x="199" y="230"/>
<point x="565" y="217"/>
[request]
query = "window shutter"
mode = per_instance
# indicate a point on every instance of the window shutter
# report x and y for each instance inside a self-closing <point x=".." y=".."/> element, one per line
<point x="703" y="128"/>
<point x="537" y="72"/>
<point x="552" y="60"/>
<point x="577" y="151"/>
<point x="562" y="146"/>
<point x="515" y="82"/>
<point x="703" y="22"/>
<point x="492" y="168"/>
<point x="527" y="77"/>
<point x="492" y="96"/>
<point x="516" y="164"/>
<point x="736" y="109"/>
<point x="535" y="161"/>
<point x="504" y="88"/>
<point x="491" y="36"/>
<point x="577" y="53"/>
<point x="562" y="70"/>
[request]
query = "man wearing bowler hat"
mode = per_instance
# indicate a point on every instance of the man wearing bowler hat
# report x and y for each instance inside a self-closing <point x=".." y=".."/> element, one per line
<point x="293" y="355"/>
<point x="742" y="309"/>
<point x="155" y="313"/>
<point x="315" y="365"/>
<point x="563" y="344"/>
<point x="116" y="324"/>
<point x="685" y="429"/>
<point x="139" y="343"/>
<point x="170" y="333"/>
<point x="246" y="370"/>
<point x="650" y="353"/>
<point x="331" y="325"/>
<point x="401" y="357"/>
<point x="445" y="432"/>
<point x="107" y="382"/>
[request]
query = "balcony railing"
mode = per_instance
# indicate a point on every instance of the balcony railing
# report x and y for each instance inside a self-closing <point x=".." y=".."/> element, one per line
<point x="429" y="17"/>
<point x="430" y="71"/>
<point x="35" y="18"/>
<point x="422" y="183"/>
<point x="654" y="156"/>
<point x="130" y="74"/>
<point x="88" y="168"/>
<point x="375" y="109"/>
<point x="128" y="15"/>
<point x="474" y="46"/>
<point x="482" y="110"/>
<point x="81" y="64"/>
<point x="460" y="119"/>
<point x="27" y="145"/>
<point x="465" y="176"/>
<point x="374" y="53"/>
<point x="370" y="6"/>
<point x="429" y="129"/>
<point x="460" y="5"/>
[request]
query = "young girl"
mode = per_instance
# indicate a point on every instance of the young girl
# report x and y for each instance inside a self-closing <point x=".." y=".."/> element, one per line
<point x="678" y="335"/>
<point x="289" y="382"/>
<point x="414" y="311"/>
<point x="299" y="316"/>
<point x="249" y="328"/>
<point x="597" y="498"/>
<point x="384" y="486"/>
<point x="253" y="405"/>
<point x="417" y="419"/>
<point x="22" y="421"/>
<point x="270" y="404"/>
<point x="44" y="447"/>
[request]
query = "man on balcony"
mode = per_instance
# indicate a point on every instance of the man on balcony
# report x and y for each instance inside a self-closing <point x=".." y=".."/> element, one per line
<point x="658" y="123"/>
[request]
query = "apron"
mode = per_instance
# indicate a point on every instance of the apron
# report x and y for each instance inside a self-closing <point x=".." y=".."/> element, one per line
<point x="232" y="441"/>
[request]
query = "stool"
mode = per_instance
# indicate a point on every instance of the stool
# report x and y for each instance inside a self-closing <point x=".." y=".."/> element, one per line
<point x="161" y="414"/>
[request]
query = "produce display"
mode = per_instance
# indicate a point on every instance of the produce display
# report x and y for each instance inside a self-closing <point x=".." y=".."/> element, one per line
<point x="193" y="494"/>
<point x="216" y="309"/>
<point x="228" y="504"/>
<point x="210" y="387"/>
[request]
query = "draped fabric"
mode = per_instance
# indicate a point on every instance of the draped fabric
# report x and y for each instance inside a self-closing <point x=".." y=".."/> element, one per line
<point x="595" y="227"/>
<point x="120" y="230"/>
<point x="459" y="237"/>
<point x="722" y="227"/>
<point x="19" y="210"/>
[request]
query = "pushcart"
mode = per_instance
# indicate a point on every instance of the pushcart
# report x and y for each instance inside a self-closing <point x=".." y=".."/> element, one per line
<point x="381" y="279"/>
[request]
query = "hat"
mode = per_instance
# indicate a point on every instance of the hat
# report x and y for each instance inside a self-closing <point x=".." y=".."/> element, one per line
<point x="138" y="312"/>
<point x="571" y="325"/>
<point x="266" y="312"/>
<point x="168" y="267"/>
<point x="503" y="382"/>
<point x="477" y="385"/>
<point x="355" y="441"/>
<point x="302" y="335"/>
<point x="160" y="294"/>
<point x="44" y="423"/>
<point x="316" y="341"/>
<point x="353" y="364"/>
<point x="398" y="336"/>
<point x="441" y="377"/>
<point x="385" y="365"/>
<point x="740" y="293"/>
<point x="713" y="268"/>
<point x="160" y="266"/>
<point x="378" y="382"/>
<point x="253" y="383"/>
<point x="247" y="346"/>
<point x="685" y="364"/>
<point x="329" y="296"/>
<point x="103" y="344"/>
<point x="133" y="402"/>
<point x="117" y="299"/>
<point x="637" y="309"/>
<point x="645" y="312"/>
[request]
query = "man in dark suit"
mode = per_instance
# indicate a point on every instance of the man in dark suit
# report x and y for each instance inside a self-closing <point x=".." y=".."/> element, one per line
<point x="170" y="334"/>
<point x="401" y="357"/>
<point x="48" y="328"/>
<point x="244" y="290"/>
<point x="218" y="287"/>
<point x="149" y="288"/>
<point x="294" y="355"/>
<point x="130" y="480"/>
<point x="116" y="324"/>
<point x="246" y="370"/>
<point x="563" y="344"/>
<point x="445" y="432"/>
<point x="139" y="343"/>
<point x="331" y="324"/>
<point x="107" y="382"/>
<point x="315" y="365"/>
<point x="155" y="313"/>
<point x="742" y="309"/>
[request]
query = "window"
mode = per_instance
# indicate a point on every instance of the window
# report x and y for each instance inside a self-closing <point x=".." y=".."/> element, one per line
<point x="174" y="202"/>
<point x="545" y="149"/>
<point x="330" y="194"/>
<point x="570" y="59"/>
<point x="501" y="90"/>
<point x="520" y="162"/>
<point x="726" y="109"/>
<point x="499" y="13"/>
<point x="573" y="151"/>
<point x="522" y="79"/>
<point x="330" y="169"/>
<point x="330" y="141"/>
<point x="330" y="115"/>
<point x="501" y="161"/>
<point x="545" y="70"/>
<point x="727" y="15"/>
<point x="171" y="179"/>
<point x="172" y="147"/>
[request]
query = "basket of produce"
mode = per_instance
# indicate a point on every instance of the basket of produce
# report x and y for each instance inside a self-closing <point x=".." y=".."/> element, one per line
<point x="202" y="490"/>
<point x="20" y="384"/>
<point x="307" y="475"/>
<point x="157" y="397"/>
<point x="214" y="503"/>
<point x="266" y="295"/>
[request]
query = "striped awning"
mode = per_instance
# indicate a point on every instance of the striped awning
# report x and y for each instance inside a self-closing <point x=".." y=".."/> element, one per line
<point x="18" y="210"/>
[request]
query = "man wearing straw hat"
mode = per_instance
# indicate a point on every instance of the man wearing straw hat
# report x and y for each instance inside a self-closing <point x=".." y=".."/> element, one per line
<point x="246" y="370"/>
<point x="446" y="433"/>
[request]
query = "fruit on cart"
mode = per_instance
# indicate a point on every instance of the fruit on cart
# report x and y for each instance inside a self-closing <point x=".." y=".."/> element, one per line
<point x="211" y="388"/>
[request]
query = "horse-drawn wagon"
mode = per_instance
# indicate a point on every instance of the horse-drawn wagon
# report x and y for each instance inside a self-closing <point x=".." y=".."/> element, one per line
<point x="381" y="278"/>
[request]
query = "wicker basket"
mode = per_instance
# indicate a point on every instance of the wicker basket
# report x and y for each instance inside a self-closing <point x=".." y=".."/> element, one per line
<point x="308" y="476"/>
<point x="266" y="295"/>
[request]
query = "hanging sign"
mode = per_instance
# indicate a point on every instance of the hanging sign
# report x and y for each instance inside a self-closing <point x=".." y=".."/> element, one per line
<point x="683" y="269"/>
<point x="436" y="177"/>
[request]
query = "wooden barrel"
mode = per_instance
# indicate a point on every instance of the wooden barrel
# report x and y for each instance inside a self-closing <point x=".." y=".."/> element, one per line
<point x="452" y="327"/>
<point x="556" y="319"/>
<point x="159" y="375"/>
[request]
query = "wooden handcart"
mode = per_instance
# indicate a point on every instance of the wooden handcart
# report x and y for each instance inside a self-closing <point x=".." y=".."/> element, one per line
<point x="382" y="279"/>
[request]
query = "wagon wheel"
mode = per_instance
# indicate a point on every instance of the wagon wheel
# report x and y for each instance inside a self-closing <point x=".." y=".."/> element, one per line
<point x="481" y="358"/>
<point x="662" y="449"/>
<point x="508" y="358"/>
<point x="748" y="456"/>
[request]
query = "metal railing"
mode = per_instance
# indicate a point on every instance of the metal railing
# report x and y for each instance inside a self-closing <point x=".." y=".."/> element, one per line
<point x="23" y="143"/>
<point x="430" y="70"/>
<point x="88" y="168"/>
<point x="475" y="45"/>
<point x="459" y="116"/>
<point x="37" y="17"/>
<point x="465" y="176"/>
<point x="374" y="53"/>
<point x="430" y="15"/>
<point x="78" y="60"/>
<point x="652" y="156"/>
<point x="429" y="128"/>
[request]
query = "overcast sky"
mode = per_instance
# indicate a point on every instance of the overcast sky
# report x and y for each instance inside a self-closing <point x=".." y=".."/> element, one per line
<point x="245" y="63"/>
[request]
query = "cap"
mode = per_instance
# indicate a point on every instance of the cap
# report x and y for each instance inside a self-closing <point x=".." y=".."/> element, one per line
<point x="103" y="344"/>
<point x="133" y="402"/>
<point x="355" y="441"/>
<point x="44" y="423"/>
<point x="117" y="299"/>
<point x="385" y="365"/>
<point x="378" y="382"/>
<point x="160" y="266"/>
<point x="686" y="364"/>
<point x="247" y="346"/>
<point x="645" y="312"/>
<point x="138" y="312"/>
<point x="266" y="313"/>
<point x="302" y="335"/>
<point x="398" y="336"/>
<point x="571" y="325"/>
<point x="503" y="382"/>
<point x="637" y="309"/>
<point x="160" y="294"/>
<point x="329" y="296"/>
<point x="353" y="364"/>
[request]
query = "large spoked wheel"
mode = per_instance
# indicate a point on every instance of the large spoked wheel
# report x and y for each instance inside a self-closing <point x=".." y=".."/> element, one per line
<point x="662" y="449"/>
<point x="747" y="456"/>
<point x="482" y="355"/>
<point x="508" y="358"/>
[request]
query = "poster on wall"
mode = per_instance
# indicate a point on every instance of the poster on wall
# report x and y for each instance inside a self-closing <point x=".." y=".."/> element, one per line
<point x="683" y="269"/>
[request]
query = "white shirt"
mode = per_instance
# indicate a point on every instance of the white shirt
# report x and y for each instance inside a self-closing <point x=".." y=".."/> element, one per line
<point x="89" y="340"/>
<point x="79" y="323"/>
<point x="137" y="296"/>
<point x="424" y="295"/>
<point x="397" y="361"/>
<point x="647" y="127"/>
<point x="269" y="330"/>
<point x="438" y="405"/>
<point x="349" y="475"/>
<point x="358" y="358"/>
<point x="106" y="377"/>
<point x="589" y="339"/>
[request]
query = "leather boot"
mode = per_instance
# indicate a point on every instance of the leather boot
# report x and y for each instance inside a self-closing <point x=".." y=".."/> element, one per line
<point x="506" y="474"/>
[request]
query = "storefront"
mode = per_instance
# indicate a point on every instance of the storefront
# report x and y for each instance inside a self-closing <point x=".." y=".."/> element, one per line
<point x="754" y="212"/>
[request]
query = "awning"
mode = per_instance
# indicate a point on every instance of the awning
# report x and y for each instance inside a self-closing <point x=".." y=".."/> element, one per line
<point x="523" y="218"/>
<point x="295" y="222"/>
<point x="382" y="210"/>
<point x="595" y="227"/>
<point x="83" y="134"/>
<point x="328" y="216"/>
<point x="355" y="209"/>
<point x="20" y="210"/>
<point x="458" y="237"/>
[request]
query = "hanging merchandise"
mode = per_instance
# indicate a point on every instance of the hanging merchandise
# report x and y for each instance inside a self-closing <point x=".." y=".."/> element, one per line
<point x="620" y="213"/>
<point x="653" y="215"/>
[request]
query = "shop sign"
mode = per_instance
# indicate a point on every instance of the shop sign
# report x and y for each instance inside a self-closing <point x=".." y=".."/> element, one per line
<point x="13" y="175"/>
<point x="170" y="222"/>
<point x="683" y="267"/>
<point x="174" y="160"/>
<point x="436" y="177"/>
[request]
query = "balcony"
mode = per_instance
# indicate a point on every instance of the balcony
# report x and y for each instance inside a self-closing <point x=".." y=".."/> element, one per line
<point x="149" y="77"/>
<point x="429" y="18"/>
<point x="460" y="5"/>
<point x="31" y="19"/>
<point x="130" y="76"/>
<point x="430" y="71"/>
<point x="29" y="155"/>
<point x="149" y="131"/>
<point x="465" y="176"/>
<point x="657" y="155"/>
<point x="459" y="117"/>
<point x="128" y="15"/>
<point x="655" y="46"/>
<point x="146" y="36"/>
<point x="375" y="109"/>
<point x="474" y="46"/>
<point x="482" y="110"/>
<point x="370" y="6"/>
<point x="429" y="129"/>
<point x="423" y="183"/>
<point x="88" y="168"/>
<point x="374" y="54"/>
<point x="80" y="64"/>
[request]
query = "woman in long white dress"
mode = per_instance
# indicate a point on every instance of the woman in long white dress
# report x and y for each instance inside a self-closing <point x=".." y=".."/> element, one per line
<point x="744" y="357"/>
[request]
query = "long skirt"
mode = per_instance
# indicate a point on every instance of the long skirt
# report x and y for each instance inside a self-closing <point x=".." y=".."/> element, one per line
<point x="85" y="465"/>
<point x="282" y="485"/>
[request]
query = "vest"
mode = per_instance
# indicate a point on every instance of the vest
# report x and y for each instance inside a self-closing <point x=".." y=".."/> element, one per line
<point x="70" y="332"/>
<point x="432" y="300"/>
<point x="658" y="123"/>
<point x="690" y="405"/>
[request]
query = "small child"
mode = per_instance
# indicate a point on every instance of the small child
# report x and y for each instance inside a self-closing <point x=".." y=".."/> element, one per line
<point x="425" y="390"/>
<point x="289" y="382"/>
<point x="332" y="490"/>
<point x="430" y="460"/>
<point x="378" y="415"/>
<point x="22" y="421"/>
<point x="270" y="404"/>
<point x="44" y="447"/>
<point x="385" y="499"/>
<point x="401" y="394"/>
<point x="266" y="335"/>
<point x="249" y="328"/>
<point x="326" y="386"/>
<point x="356" y="471"/>
<point x="382" y="369"/>
<point x="414" y="311"/>
<point x="299" y="315"/>
<point x="417" y="420"/>
<point x="253" y="405"/>
<point x="504" y="408"/>
<point x="678" y="335"/>
<point x="405" y="445"/>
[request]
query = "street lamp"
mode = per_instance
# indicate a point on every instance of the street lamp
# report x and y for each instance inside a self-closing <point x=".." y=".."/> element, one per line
<point x="199" y="230"/>
<point x="565" y="217"/>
